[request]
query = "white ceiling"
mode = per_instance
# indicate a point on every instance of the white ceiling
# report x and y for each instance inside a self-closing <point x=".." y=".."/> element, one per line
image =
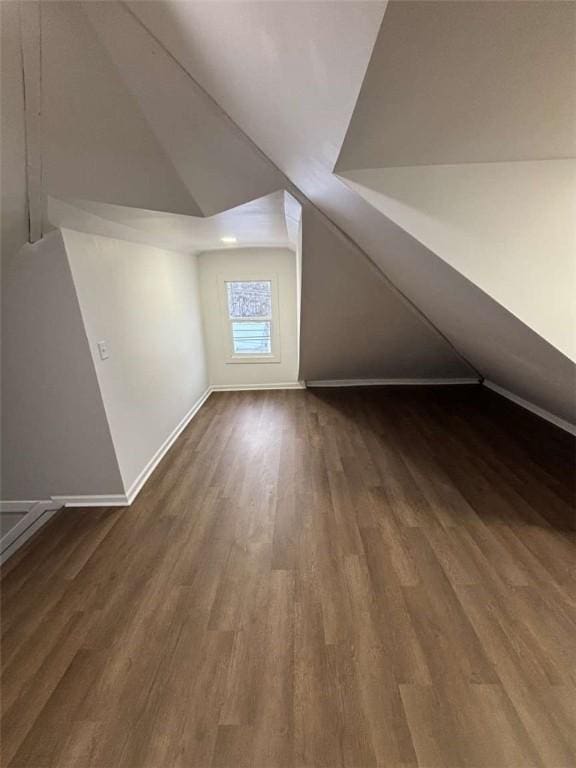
<point x="287" y="72"/>
<point x="259" y="223"/>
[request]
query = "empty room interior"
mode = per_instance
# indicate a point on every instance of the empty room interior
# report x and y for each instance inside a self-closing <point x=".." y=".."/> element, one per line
<point x="288" y="415"/>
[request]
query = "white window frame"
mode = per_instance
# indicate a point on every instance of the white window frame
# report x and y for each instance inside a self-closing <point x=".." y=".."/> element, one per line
<point x="240" y="358"/>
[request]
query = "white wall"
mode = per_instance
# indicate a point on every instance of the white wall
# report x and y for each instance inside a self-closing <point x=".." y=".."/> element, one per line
<point x="507" y="227"/>
<point x="55" y="437"/>
<point x="238" y="264"/>
<point x="144" y="303"/>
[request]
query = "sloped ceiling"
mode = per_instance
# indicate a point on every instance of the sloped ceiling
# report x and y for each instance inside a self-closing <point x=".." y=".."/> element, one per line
<point x="235" y="101"/>
<point x="467" y="146"/>
<point x="216" y="163"/>
<point x="300" y="65"/>
<point x="507" y="227"/>
<point x="127" y="128"/>
<point x="510" y="62"/>
<point x="96" y="141"/>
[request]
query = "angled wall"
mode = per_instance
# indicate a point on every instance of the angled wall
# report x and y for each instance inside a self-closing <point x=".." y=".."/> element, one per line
<point x="55" y="434"/>
<point x="144" y="303"/>
<point x="355" y="325"/>
<point x="507" y="227"/>
<point x="97" y="143"/>
<point x="218" y="166"/>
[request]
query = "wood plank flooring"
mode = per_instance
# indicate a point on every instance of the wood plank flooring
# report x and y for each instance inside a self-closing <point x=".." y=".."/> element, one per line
<point x="310" y="578"/>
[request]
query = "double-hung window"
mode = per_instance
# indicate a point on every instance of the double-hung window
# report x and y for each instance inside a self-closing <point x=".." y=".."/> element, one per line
<point x="251" y="321"/>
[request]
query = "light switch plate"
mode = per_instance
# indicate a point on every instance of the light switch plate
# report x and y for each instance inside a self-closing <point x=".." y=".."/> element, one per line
<point x="103" y="350"/>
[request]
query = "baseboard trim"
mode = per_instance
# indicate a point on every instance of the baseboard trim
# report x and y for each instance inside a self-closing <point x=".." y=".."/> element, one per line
<point x="17" y="507"/>
<point x="36" y="516"/>
<point x="251" y="387"/>
<point x="126" y="499"/>
<point x="389" y="382"/>
<point x="137" y="485"/>
<point x="556" y="420"/>
<point x="111" y="500"/>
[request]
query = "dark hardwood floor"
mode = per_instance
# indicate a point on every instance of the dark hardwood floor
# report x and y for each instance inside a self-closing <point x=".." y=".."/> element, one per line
<point x="310" y="578"/>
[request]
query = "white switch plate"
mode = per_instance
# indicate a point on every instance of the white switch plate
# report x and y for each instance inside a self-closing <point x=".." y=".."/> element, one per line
<point x="103" y="350"/>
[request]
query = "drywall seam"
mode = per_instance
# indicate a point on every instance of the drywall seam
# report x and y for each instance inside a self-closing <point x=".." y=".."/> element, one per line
<point x="298" y="194"/>
<point x="31" y="62"/>
<point x="556" y="420"/>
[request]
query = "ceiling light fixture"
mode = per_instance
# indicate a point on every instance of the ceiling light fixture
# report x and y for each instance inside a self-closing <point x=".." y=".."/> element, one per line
<point x="228" y="240"/>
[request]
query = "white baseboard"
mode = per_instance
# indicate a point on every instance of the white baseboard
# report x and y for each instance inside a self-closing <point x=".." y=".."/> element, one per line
<point x="556" y="420"/>
<point x="111" y="500"/>
<point x="18" y="507"/>
<point x="136" y="486"/>
<point x="251" y="387"/>
<point x="34" y="518"/>
<point x="126" y="499"/>
<point x="389" y="382"/>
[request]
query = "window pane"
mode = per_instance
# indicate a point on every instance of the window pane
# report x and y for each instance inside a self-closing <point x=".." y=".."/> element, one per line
<point x="252" y="338"/>
<point x="250" y="299"/>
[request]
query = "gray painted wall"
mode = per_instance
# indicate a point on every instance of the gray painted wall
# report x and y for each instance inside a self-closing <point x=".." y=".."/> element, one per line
<point x="354" y="325"/>
<point x="55" y="435"/>
<point x="97" y="143"/>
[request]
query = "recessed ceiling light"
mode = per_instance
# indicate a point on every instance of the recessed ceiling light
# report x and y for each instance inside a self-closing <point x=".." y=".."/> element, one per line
<point x="228" y="240"/>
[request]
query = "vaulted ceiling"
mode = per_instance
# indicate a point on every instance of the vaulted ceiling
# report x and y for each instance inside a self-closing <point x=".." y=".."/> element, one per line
<point x="431" y="145"/>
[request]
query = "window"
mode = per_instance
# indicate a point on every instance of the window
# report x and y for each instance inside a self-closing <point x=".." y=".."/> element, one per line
<point x="250" y="306"/>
